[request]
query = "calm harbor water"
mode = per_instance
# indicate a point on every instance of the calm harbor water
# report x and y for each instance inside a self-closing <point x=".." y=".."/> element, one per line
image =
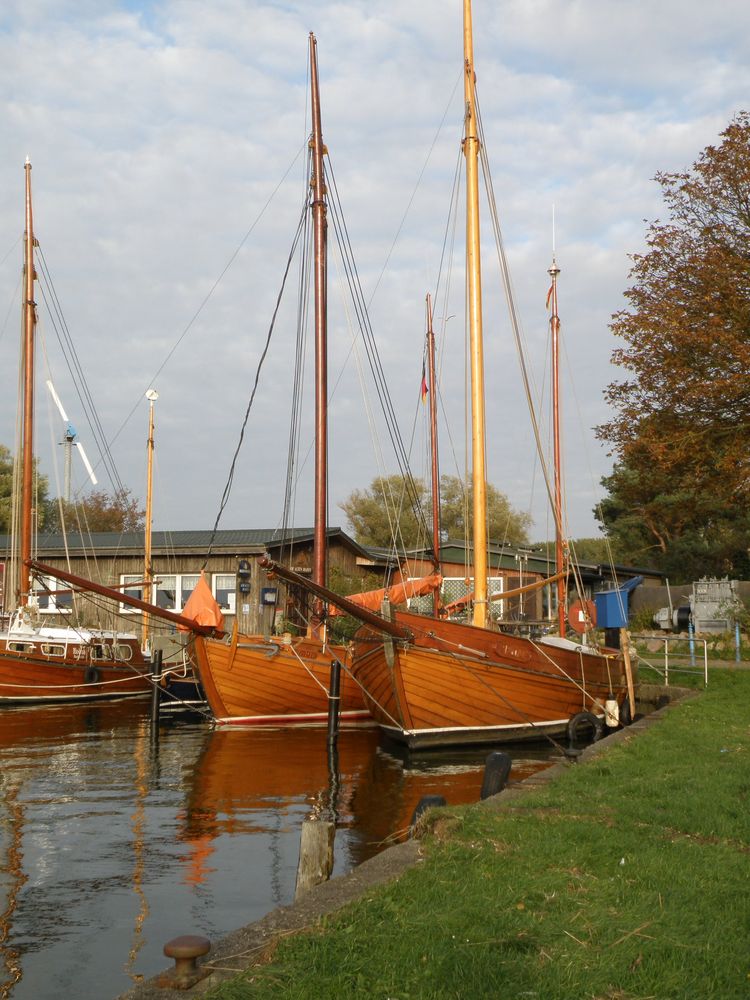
<point x="111" y="842"/>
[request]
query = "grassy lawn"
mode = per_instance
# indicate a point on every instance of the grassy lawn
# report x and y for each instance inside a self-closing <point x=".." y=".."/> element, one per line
<point x="625" y="879"/>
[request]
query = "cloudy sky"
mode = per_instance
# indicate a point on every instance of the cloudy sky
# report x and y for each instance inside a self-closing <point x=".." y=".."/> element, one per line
<point x="158" y="132"/>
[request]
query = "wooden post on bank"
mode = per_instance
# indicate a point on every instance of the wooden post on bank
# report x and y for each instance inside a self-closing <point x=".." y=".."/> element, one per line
<point x="315" y="853"/>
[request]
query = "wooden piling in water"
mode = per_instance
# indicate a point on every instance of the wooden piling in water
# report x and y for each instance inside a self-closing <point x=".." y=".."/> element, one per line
<point x="334" y="701"/>
<point x="156" y="659"/>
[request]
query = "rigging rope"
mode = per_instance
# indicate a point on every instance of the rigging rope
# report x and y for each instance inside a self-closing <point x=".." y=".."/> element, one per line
<point x="209" y="293"/>
<point x="73" y="363"/>
<point x="230" y="478"/>
<point x="373" y="358"/>
<point x="295" y="422"/>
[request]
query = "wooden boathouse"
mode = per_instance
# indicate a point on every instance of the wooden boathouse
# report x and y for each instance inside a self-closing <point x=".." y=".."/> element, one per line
<point x="229" y="559"/>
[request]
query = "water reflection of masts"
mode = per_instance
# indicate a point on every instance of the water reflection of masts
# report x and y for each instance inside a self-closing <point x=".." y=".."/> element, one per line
<point x="13" y="878"/>
<point x="138" y="823"/>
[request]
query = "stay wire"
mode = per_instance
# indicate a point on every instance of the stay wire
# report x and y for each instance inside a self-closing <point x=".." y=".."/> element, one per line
<point x="295" y="424"/>
<point x="507" y="284"/>
<point x="211" y="291"/>
<point x="230" y="478"/>
<point x="78" y="377"/>
<point x="373" y="358"/>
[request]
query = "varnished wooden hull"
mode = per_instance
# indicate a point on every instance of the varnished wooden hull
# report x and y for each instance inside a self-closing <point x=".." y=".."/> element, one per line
<point x="31" y="678"/>
<point x="456" y="684"/>
<point x="254" y="681"/>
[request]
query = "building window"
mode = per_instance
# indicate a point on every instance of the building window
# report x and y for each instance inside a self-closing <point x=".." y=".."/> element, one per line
<point x="172" y="590"/>
<point x="225" y="586"/>
<point x="49" y="600"/>
<point x="188" y="583"/>
<point x="166" y="592"/>
<point x="132" y="591"/>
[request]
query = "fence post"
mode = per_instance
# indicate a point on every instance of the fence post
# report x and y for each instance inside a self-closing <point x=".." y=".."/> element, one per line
<point x="691" y="636"/>
<point x="705" y="662"/>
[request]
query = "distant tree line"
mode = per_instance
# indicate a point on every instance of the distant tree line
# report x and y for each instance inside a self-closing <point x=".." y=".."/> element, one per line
<point x="383" y="513"/>
<point x="95" y="511"/>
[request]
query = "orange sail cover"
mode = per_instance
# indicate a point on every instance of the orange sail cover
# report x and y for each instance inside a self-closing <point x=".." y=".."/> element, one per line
<point x="201" y="606"/>
<point x="397" y="594"/>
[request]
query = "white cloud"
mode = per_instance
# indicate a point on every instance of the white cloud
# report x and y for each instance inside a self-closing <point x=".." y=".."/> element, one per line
<point x="159" y="130"/>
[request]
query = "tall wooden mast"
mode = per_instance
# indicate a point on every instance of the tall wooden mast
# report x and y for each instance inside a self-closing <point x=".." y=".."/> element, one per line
<point x="434" y="463"/>
<point x="320" y="239"/>
<point x="27" y="447"/>
<point x="554" y="324"/>
<point x="474" y="291"/>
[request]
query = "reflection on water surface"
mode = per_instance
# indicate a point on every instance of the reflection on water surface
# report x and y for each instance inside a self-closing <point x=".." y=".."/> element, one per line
<point x="112" y="842"/>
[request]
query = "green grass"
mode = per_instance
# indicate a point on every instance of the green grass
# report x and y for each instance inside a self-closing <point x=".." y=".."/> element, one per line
<point x="625" y="879"/>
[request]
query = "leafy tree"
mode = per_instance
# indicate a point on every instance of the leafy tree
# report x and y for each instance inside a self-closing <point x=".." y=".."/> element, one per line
<point x="41" y="486"/>
<point x="588" y="550"/>
<point x="382" y="512"/>
<point x="98" y="511"/>
<point x="680" y="486"/>
<point x="6" y="487"/>
<point x="503" y="523"/>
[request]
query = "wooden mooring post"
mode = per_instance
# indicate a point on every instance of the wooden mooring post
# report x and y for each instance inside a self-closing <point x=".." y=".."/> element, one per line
<point x="156" y="660"/>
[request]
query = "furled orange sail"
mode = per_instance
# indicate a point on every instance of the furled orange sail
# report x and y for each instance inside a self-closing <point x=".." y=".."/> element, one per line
<point x="201" y="606"/>
<point x="397" y="594"/>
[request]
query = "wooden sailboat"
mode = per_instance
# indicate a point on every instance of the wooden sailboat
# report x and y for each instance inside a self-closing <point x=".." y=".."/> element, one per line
<point x="446" y="682"/>
<point x="41" y="663"/>
<point x="275" y="680"/>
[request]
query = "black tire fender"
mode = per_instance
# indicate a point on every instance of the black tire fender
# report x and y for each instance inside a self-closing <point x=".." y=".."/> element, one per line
<point x="582" y="721"/>
<point x="91" y="675"/>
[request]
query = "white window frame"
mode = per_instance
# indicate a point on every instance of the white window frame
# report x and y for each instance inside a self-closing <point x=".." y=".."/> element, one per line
<point x="132" y="578"/>
<point x="179" y="588"/>
<point x="157" y="585"/>
<point x="231" y="605"/>
<point x="40" y="590"/>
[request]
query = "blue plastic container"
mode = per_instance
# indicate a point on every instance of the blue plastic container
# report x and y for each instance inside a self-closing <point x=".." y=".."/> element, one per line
<point x="612" y="605"/>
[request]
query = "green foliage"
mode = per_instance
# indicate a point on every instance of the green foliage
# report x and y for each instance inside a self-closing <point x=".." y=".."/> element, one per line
<point x="624" y="877"/>
<point x="6" y="487"/>
<point x="385" y="511"/>
<point x="382" y="513"/>
<point x="41" y="486"/>
<point x="97" y="511"/>
<point x="343" y="627"/>
<point x="585" y="550"/>
<point x="679" y="491"/>
<point x="641" y="620"/>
